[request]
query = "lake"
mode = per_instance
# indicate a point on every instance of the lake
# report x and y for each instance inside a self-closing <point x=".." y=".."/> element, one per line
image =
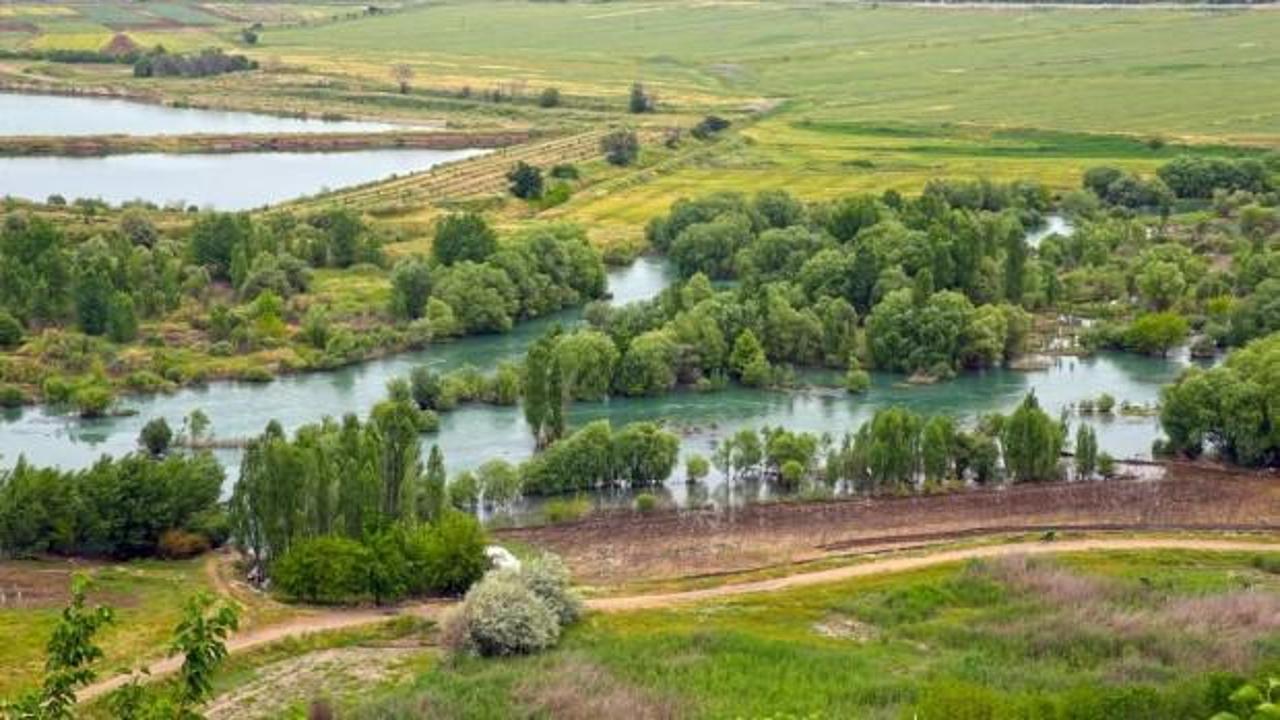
<point x="54" y="115"/>
<point x="225" y="181"/>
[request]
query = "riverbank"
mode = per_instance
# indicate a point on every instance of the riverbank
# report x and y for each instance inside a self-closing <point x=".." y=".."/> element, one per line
<point x="100" y="145"/>
<point x="624" y="546"/>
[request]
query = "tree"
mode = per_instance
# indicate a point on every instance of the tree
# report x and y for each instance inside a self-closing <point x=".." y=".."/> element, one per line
<point x="122" y="322"/>
<point x="525" y="181"/>
<point x="411" y="284"/>
<point x="588" y="359"/>
<point x="747" y="352"/>
<point x="463" y="236"/>
<point x="1230" y="408"/>
<point x="893" y="452"/>
<point x="938" y="448"/>
<point x="201" y="638"/>
<point x="431" y="501"/>
<point x="156" y="437"/>
<point x="69" y="656"/>
<point x="1032" y="443"/>
<point x="402" y="73"/>
<point x="621" y="147"/>
<point x="640" y="101"/>
<point x="648" y="366"/>
<point x="1086" y="451"/>
<point x="1157" y="333"/>
<point x="1161" y="284"/>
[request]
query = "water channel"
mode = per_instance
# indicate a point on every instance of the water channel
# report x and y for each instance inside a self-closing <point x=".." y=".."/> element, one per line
<point x="58" y="115"/>
<point x="225" y="181"/>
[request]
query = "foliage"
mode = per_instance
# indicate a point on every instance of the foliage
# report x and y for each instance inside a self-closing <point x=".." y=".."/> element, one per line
<point x="70" y="653"/>
<point x="463" y="236"/>
<point x="525" y="181"/>
<point x="621" y="147"/>
<point x="117" y="508"/>
<point x="515" y="612"/>
<point x="1231" y="408"/>
<point x="1032" y="443"/>
<point x="156" y="437"/>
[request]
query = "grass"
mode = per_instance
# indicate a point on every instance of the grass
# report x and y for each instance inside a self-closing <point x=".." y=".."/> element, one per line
<point x="1093" y="635"/>
<point x="147" y="597"/>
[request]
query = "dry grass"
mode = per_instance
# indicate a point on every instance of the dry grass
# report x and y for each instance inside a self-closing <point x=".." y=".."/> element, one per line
<point x="582" y="690"/>
<point x="1205" y="632"/>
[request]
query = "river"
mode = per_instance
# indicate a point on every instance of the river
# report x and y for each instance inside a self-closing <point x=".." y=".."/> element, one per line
<point x="225" y="181"/>
<point x="475" y="433"/>
<point x="57" y="115"/>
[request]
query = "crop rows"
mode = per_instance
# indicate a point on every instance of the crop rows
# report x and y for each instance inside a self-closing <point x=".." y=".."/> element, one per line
<point x="484" y="175"/>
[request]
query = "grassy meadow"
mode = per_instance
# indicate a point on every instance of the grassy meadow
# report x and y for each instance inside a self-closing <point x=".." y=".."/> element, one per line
<point x="1134" y="635"/>
<point x="860" y="98"/>
<point x="147" y="597"/>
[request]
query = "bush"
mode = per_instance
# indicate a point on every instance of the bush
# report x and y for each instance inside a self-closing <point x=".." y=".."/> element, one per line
<point x="505" y="617"/>
<point x="696" y="468"/>
<point x="453" y="554"/>
<point x="548" y="578"/>
<point x="179" y="544"/>
<point x="58" y="389"/>
<point x="621" y="147"/>
<point x="549" y="98"/>
<point x="324" y="569"/>
<point x="93" y="401"/>
<point x="566" y="510"/>
<point x="156" y="436"/>
<point x="565" y="171"/>
<point x="11" y="396"/>
<point x="525" y="181"/>
<point x="11" y="331"/>
<point x="646" y="503"/>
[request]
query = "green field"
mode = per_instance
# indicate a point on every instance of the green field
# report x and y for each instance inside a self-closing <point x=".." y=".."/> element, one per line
<point x="1178" y="73"/>
<point x="864" y="99"/>
<point x="1133" y="635"/>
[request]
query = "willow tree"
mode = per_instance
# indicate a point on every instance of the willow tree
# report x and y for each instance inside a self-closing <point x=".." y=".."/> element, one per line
<point x="1032" y="443"/>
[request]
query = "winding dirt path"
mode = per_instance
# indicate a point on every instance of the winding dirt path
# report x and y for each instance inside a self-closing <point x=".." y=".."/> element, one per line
<point x="344" y="619"/>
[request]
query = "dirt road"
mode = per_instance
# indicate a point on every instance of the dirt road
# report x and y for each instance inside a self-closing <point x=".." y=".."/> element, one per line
<point x="345" y="619"/>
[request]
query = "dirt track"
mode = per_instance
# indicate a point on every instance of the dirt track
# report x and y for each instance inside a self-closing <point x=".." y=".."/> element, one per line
<point x="344" y="619"/>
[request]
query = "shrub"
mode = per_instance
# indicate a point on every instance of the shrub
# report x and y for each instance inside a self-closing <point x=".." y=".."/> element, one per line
<point x="93" y="401"/>
<point x="566" y="509"/>
<point x="324" y="569"/>
<point x="565" y="171"/>
<point x="525" y="181"/>
<point x="454" y="556"/>
<point x="177" y="544"/>
<point x="156" y="436"/>
<point x="1106" y="403"/>
<point x="11" y="331"/>
<point x="505" y="617"/>
<point x="549" y="98"/>
<point x="646" y="503"/>
<point x="58" y="389"/>
<point x="11" y="396"/>
<point x="1106" y="465"/>
<point x="621" y="147"/>
<point x="696" y="468"/>
<point x="709" y="126"/>
<point x="548" y="578"/>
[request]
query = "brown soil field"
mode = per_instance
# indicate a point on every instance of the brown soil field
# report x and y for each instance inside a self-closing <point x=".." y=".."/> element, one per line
<point x="624" y="546"/>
